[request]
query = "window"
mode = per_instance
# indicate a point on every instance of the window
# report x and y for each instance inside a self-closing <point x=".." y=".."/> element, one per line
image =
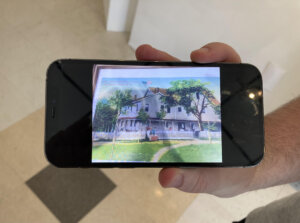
<point x="181" y="125"/>
<point x="147" y="108"/>
<point x="192" y="126"/>
<point x="137" y="107"/>
<point x="179" y="109"/>
<point x="197" y="95"/>
<point x="162" y="107"/>
<point x="168" y="109"/>
<point x="131" y="121"/>
<point x="204" y="110"/>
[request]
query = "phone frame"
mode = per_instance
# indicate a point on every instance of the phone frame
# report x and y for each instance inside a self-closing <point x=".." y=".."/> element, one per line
<point x="79" y="154"/>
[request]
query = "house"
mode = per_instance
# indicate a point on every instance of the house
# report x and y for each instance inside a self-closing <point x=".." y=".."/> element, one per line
<point x="177" y="123"/>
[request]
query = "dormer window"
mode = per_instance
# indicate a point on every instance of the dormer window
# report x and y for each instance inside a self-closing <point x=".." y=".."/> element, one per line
<point x="179" y="109"/>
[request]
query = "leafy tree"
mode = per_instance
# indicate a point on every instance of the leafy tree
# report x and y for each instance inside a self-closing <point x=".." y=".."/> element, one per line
<point x="144" y="118"/>
<point x="217" y="109"/>
<point x="120" y="99"/>
<point x="193" y="95"/>
<point x="161" y="114"/>
<point x="117" y="101"/>
<point x="105" y="117"/>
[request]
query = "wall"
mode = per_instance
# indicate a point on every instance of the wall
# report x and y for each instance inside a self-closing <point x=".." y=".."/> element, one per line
<point x="263" y="32"/>
<point x="119" y="14"/>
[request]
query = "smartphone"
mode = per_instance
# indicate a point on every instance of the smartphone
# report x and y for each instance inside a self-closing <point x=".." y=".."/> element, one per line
<point x="102" y="113"/>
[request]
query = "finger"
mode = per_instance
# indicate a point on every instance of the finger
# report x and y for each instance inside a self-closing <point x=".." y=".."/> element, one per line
<point x="148" y="53"/>
<point x="222" y="182"/>
<point x="215" y="52"/>
<point x="193" y="180"/>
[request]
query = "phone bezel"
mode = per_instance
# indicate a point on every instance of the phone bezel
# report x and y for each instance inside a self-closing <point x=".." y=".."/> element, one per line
<point x="85" y="67"/>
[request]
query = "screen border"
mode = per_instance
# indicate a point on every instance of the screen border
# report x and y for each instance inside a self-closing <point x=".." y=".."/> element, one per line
<point x="82" y="156"/>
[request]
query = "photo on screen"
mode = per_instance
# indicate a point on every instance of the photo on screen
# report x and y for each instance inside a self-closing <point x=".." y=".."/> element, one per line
<point x="156" y="114"/>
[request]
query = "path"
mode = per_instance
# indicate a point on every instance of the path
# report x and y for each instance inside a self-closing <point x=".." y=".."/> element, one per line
<point x="156" y="157"/>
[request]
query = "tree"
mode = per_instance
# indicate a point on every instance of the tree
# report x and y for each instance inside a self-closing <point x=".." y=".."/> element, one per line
<point x="193" y="95"/>
<point x="144" y="118"/>
<point x="161" y="114"/>
<point x="217" y="109"/>
<point x="117" y="101"/>
<point x="105" y="117"/>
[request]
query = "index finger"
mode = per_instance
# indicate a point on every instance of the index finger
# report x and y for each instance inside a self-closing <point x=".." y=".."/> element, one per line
<point x="148" y="53"/>
<point x="215" y="52"/>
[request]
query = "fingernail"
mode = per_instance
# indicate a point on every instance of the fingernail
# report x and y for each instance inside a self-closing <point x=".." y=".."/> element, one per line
<point x="204" y="49"/>
<point x="177" y="181"/>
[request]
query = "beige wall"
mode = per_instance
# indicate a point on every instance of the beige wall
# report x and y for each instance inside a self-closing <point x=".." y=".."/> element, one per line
<point x="262" y="32"/>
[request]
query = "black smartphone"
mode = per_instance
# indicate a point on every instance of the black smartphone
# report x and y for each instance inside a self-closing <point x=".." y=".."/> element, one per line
<point x="102" y="113"/>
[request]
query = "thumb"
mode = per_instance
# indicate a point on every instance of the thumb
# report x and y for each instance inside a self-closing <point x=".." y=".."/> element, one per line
<point x="222" y="182"/>
<point x="193" y="180"/>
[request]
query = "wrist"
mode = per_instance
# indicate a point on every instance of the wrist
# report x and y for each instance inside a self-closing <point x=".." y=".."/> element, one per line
<point x="278" y="166"/>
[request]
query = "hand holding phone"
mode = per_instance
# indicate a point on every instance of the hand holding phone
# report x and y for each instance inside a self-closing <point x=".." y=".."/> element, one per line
<point x="223" y="182"/>
<point x="157" y="114"/>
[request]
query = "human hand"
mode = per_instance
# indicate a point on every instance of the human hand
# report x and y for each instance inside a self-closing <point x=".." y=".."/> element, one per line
<point x="223" y="182"/>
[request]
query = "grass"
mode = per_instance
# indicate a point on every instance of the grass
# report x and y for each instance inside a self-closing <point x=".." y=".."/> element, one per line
<point x="212" y="138"/>
<point x="194" y="153"/>
<point x="130" y="151"/>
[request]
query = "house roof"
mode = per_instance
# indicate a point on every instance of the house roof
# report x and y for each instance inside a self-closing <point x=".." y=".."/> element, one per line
<point x="153" y="90"/>
<point x="156" y="90"/>
<point x="163" y="91"/>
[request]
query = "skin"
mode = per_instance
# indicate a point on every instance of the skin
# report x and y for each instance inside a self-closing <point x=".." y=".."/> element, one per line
<point x="281" y="160"/>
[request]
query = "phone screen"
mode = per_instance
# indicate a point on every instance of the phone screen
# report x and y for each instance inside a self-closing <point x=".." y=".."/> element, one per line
<point x="156" y="114"/>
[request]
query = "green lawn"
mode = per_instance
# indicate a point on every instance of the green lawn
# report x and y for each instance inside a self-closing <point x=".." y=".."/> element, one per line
<point x="194" y="153"/>
<point x="130" y="151"/>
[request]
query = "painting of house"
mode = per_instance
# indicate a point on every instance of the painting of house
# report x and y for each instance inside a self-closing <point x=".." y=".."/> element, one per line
<point x="156" y="114"/>
<point x="176" y="123"/>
